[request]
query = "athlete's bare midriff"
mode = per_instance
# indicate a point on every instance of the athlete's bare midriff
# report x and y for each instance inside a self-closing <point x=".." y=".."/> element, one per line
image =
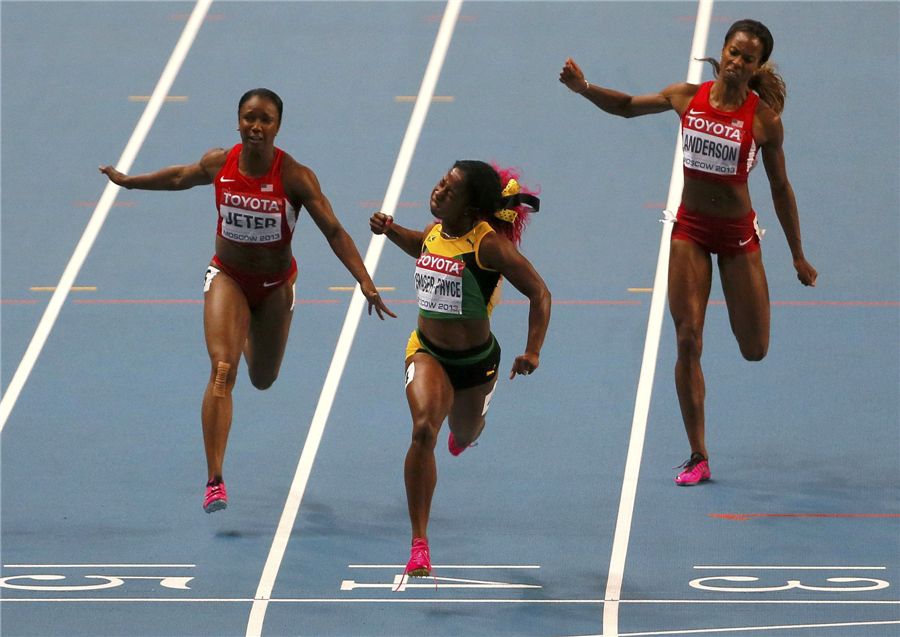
<point x="716" y="199"/>
<point x="251" y="258"/>
<point x="455" y="334"/>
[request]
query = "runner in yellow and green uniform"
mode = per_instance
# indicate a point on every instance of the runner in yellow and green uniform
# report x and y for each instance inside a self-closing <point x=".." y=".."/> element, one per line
<point x="452" y="357"/>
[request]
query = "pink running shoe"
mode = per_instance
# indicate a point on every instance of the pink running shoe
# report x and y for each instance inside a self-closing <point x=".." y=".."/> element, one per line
<point x="419" y="564"/>
<point x="455" y="450"/>
<point x="696" y="470"/>
<point x="216" y="497"/>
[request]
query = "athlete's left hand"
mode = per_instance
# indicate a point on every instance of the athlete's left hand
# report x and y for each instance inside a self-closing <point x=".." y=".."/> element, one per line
<point x="524" y="364"/>
<point x="374" y="299"/>
<point x="805" y="272"/>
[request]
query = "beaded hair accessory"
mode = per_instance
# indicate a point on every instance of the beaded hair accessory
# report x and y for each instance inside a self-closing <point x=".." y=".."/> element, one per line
<point x="512" y="198"/>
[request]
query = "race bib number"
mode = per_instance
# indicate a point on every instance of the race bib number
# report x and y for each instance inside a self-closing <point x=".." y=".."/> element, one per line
<point x="249" y="226"/>
<point x="710" y="154"/>
<point x="439" y="283"/>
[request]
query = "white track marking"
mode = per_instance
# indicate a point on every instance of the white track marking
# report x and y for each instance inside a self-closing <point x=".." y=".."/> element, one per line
<point x="354" y="312"/>
<point x="99" y="565"/>
<point x="439" y="566"/>
<point x="101" y="211"/>
<point x="648" y="365"/>
<point x="397" y="600"/>
<point x="699" y="631"/>
<point x="799" y="568"/>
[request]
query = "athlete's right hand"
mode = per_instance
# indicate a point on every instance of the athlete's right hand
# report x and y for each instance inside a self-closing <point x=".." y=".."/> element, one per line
<point x="114" y="175"/>
<point x="572" y="76"/>
<point x="805" y="272"/>
<point x="380" y="222"/>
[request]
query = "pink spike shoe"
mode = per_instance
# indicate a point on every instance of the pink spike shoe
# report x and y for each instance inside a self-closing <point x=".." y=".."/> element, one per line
<point x="419" y="564"/>
<point x="216" y="497"/>
<point x="696" y="470"/>
<point x="454" y="449"/>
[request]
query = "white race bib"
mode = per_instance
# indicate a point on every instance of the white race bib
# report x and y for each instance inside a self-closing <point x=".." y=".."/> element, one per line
<point x="439" y="284"/>
<point x="710" y="154"/>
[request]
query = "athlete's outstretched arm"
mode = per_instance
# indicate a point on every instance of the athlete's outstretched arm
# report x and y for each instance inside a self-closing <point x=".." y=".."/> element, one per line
<point x="410" y="241"/>
<point x="772" y="151"/>
<point x="675" y="97"/>
<point x="174" y="177"/>
<point x="302" y="189"/>
<point x="498" y="253"/>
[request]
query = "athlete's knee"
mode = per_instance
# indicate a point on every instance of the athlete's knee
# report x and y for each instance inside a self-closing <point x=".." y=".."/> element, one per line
<point x="424" y="433"/>
<point x="223" y="377"/>
<point x="754" y="351"/>
<point x="690" y="343"/>
<point x="262" y="380"/>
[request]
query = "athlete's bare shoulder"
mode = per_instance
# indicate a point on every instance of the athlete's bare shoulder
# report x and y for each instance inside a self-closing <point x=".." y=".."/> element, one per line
<point x="213" y="160"/>
<point x="299" y="181"/>
<point x="680" y="95"/>
<point x="767" y="126"/>
<point x="293" y="169"/>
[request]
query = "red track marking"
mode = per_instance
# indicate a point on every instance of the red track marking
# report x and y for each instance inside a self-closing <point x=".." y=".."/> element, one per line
<point x="402" y="204"/>
<point x="596" y="302"/>
<point x="177" y="301"/>
<point x="88" y="204"/>
<point x="744" y="516"/>
<point x="833" y="303"/>
<point x="691" y="18"/>
<point x="462" y="18"/>
<point x="214" y="17"/>
<point x="137" y="301"/>
<point x="15" y="302"/>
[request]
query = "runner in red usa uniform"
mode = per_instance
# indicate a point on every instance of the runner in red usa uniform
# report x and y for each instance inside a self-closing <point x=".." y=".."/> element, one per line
<point x="726" y="125"/>
<point x="249" y="285"/>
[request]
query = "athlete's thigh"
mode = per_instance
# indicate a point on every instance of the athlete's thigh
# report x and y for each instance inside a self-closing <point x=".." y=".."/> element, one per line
<point x="226" y="319"/>
<point x="747" y="296"/>
<point x="270" y="325"/>
<point x="428" y="390"/>
<point x="690" y="279"/>
<point x="470" y="407"/>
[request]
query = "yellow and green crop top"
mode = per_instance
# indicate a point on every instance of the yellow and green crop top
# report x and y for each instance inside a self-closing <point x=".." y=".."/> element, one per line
<point x="450" y="280"/>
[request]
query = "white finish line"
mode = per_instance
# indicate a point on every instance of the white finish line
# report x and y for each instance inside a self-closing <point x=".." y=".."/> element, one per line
<point x="405" y="600"/>
<point x="440" y="566"/>
<point x="351" y="322"/>
<point x="648" y="364"/>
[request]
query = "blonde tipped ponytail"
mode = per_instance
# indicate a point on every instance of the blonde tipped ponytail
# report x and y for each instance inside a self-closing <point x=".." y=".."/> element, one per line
<point x="767" y="83"/>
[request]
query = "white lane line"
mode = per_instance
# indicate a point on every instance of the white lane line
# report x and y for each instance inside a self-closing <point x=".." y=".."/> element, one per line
<point x="648" y="365"/>
<point x="699" y="631"/>
<point x="99" y="565"/>
<point x="101" y="211"/>
<point x="799" y="568"/>
<point x="354" y="312"/>
<point x="398" y="600"/>
<point x="441" y="566"/>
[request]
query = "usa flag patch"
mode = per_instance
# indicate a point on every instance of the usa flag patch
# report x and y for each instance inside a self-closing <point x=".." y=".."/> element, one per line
<point x="737" y="123"/>
<point x="267" y="188"/>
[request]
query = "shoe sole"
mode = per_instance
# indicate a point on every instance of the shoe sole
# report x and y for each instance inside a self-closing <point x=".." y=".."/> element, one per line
<point x="215" y="505"/>
<point x="419" y="572"/>
<point x="691" y="484"/>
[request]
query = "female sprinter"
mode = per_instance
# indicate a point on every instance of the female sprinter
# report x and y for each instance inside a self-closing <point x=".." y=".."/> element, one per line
<point x="725" y="124"/>
<point x="249" y="285"/>
<point x="452" y="357"/>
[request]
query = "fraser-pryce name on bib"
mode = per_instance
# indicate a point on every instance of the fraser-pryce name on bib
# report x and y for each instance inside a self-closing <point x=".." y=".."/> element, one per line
<point x="250" y="219"/>
<point x="711" y="147"/>
<point x="439" y="283"/>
